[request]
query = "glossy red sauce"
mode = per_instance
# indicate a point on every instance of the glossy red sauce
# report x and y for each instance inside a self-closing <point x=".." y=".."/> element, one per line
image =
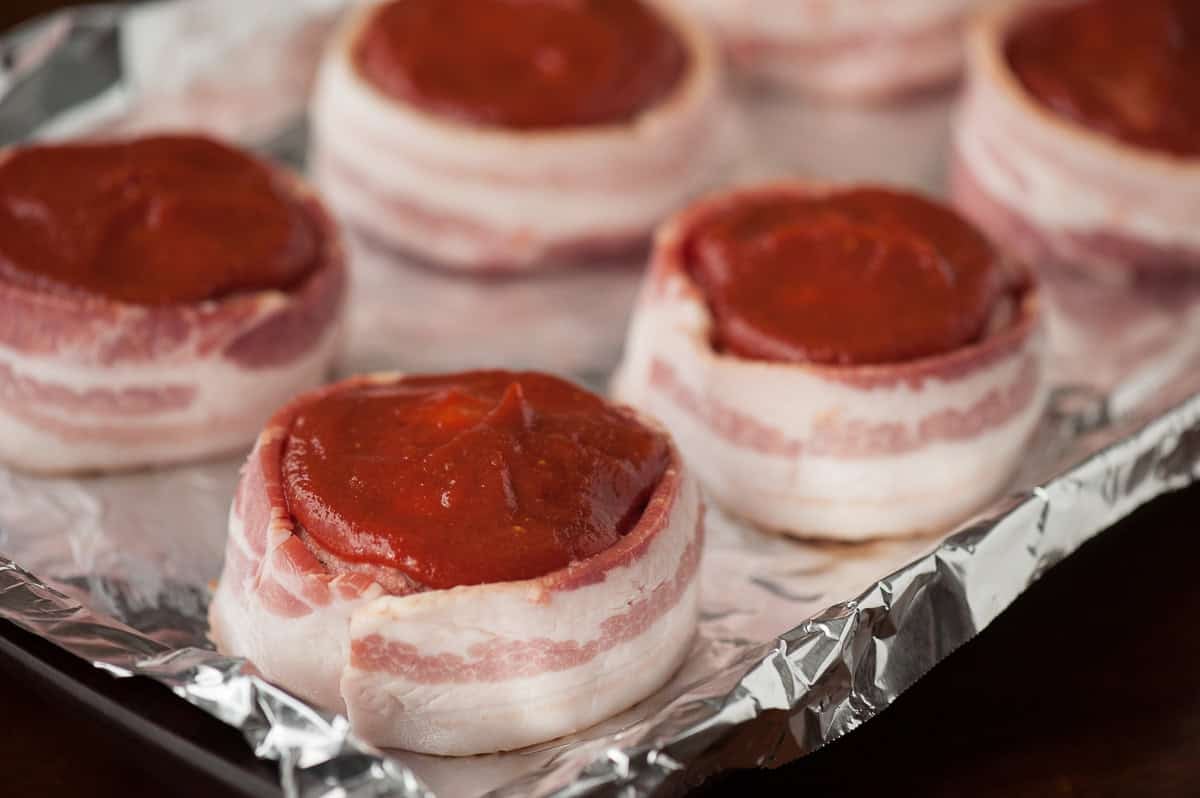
<point x="524" y="64"/>
<point x="469" y="478"/>
<point x="860" y="276"/>
<point x="152" y="221"/>
<point x="1126" y="68"/>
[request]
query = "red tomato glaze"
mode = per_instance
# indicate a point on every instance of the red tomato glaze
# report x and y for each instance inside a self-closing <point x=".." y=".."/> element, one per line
<point x="470" y="478"/>
<point x="854" y="277"/>
<point x="1126" y="68"/>
<point x="152" y="221"/>
<point x="523" y="64"/>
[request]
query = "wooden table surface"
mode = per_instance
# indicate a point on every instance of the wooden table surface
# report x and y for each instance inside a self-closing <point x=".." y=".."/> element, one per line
<point x="1088" y="686"/>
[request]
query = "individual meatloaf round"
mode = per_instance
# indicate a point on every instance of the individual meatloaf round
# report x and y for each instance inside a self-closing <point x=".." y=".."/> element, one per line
<point x="462" y="563"/>
<point x="512" y="134"/>
<point x="837" y="362"/>
<point x="849" y="50"/>
<point x="159" y="297"/>
<point x="1078" y="143"/>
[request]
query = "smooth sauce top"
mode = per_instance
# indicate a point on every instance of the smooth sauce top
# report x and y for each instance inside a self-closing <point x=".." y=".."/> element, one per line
<point x="152" y="221"/>
<point x="1127" y="68"/>
<point x="524" y="64"/>
<point x="470" y="478"/>
<point x="856" y="277"/>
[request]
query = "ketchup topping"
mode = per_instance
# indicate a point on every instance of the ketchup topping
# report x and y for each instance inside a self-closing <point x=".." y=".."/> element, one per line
<point x="1127" y="68"/>
<point x="471" y="478"/>
<point x="861" y="276"/>
<point x="151" y="221"/>
<point x="524" y="64"/>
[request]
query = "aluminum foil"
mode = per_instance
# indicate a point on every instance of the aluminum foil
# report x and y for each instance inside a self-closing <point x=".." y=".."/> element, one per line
<point x="799" y="642"/>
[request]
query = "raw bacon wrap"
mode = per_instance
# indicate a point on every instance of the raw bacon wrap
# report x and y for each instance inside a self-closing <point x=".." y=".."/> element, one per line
<point x="488" y="198"/>
<point x="848" y="49"/>
<point x="1055" y="192"/>
<point x="90" y="383"/>
<point x="843" y="452"/>
<point x="466" y="670"/>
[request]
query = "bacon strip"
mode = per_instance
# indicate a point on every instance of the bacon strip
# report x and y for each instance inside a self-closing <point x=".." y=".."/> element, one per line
<point x="1153" y="308"/>
<point x="849" y="49"/>
<point x="472" y="669"/>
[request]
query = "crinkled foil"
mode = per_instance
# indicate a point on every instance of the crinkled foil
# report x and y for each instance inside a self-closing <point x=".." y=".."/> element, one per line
<point x="799" y="642"/>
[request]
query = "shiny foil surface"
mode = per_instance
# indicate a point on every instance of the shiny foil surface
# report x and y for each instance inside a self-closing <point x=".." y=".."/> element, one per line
<point x="799" y="642"/>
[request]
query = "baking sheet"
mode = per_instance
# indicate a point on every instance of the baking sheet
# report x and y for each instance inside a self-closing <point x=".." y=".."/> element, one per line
<point x="117" y="569"/>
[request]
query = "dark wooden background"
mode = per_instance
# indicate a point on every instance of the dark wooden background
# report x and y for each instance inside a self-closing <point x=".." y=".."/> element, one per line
<point x="1088" y="686"/>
